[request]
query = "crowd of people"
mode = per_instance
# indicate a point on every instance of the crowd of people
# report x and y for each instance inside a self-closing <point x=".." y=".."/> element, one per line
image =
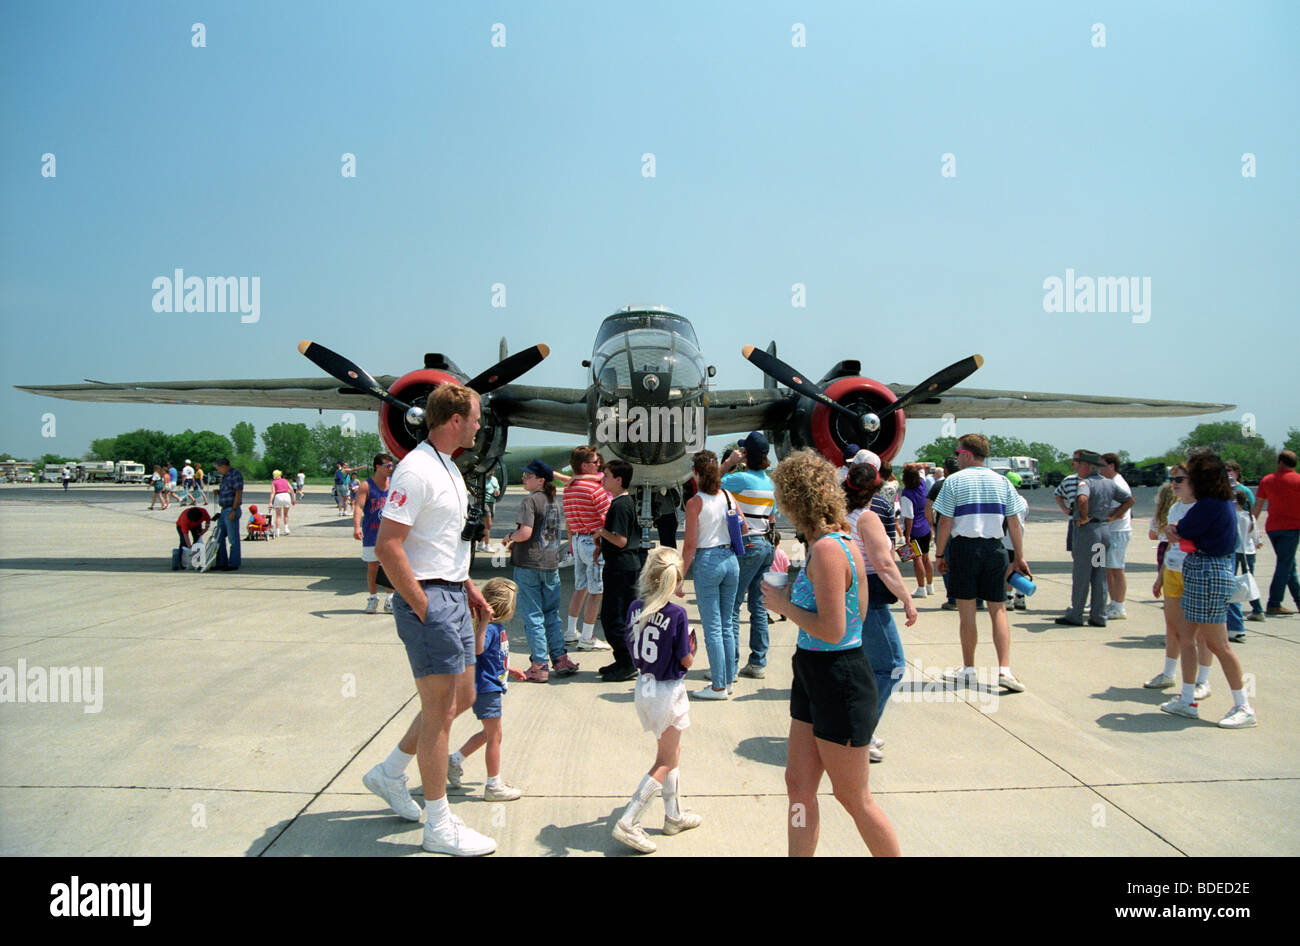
<point x="858" y="525"/>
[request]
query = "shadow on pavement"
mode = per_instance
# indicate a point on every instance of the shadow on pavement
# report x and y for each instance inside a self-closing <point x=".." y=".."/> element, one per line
<point x="1151" y="720"/>
<point x="592" y="836"/>
<point x="767" y="749"/>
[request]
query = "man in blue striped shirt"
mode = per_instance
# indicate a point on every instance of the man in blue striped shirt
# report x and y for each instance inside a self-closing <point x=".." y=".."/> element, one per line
<point x="976" y="505"/>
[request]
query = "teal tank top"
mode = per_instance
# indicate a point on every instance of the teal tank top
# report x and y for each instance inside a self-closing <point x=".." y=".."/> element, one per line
<point x="802" y="596"/>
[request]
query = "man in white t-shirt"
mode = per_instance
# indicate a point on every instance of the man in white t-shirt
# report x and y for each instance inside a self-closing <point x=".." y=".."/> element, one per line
<point x="1120" y="519"/>
<point x="421" y="546"/>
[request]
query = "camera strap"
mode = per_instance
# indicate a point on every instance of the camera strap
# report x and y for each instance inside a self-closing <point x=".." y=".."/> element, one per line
<point x="464" y="503"/>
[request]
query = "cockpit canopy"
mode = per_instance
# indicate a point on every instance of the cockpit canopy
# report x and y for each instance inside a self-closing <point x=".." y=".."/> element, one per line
<point x="647" y="355"/>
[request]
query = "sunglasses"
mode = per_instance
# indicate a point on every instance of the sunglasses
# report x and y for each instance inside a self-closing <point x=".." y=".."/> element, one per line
<point x="1177" y="479"/>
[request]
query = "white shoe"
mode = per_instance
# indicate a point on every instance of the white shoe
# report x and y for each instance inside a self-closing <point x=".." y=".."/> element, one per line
<point x="686" y="821"/>
<point x="372" y="604"/>
<point x="1159" y="682"/>
<point x="1009" y="681"/>
<point x="708" y="693"/>
<point x="929" y="590"/>
<point x="1239" y="717"/>
<point x="591" y="643"/>
<point x="875" y="754"/>
<point x="1116" y="612"/>
<point x="961" y="676"/>
<point x="919" y="593"/>
<point x="1177" y="707"/>
<point x="393" y="791"/>
<point x="388" y="604"/>
<point x="455" y="837"/>
<point x="878" y="742"/>
<point x="454" y="773"/>
<point x="286" y="529"/>
<point x="572" y="637"/>
<point x="1201" y="692"/>
<point x="502" y="792"/>
<point x="634" y="836"/>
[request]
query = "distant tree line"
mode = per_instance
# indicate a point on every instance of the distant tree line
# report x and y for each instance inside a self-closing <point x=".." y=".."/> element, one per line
<point x="1226" y="438"/>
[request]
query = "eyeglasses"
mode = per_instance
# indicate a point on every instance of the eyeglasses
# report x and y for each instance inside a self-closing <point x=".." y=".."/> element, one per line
<point x="964" y="450"/>
<point x="1177" y="479"/>
<point x="388" y="466"/>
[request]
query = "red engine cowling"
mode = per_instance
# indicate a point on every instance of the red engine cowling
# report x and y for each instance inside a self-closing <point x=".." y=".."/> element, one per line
<point x="831" y="431"/>
<point x="413" y="388"/>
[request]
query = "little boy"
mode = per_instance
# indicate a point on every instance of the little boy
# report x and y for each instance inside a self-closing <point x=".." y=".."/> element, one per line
<point x="491" y="669"/>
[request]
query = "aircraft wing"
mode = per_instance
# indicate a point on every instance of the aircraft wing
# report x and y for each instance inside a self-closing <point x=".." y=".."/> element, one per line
<point x="743" y="410"/>
<point x="312" y="393"/>
<point x="978" y="403"/>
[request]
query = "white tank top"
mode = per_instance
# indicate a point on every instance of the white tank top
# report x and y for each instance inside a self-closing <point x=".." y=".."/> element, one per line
<point x="853" y="518"/>
<point x="712" y="529"/>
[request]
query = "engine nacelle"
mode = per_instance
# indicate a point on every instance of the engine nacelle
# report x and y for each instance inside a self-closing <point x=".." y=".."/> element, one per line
<point x="401" y="437"/>
<point x="829" y="432"/>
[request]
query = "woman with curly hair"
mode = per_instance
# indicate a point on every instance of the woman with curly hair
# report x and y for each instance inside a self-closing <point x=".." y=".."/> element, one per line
<point x="833" y="696"/>
<point x="1208" y="533"/>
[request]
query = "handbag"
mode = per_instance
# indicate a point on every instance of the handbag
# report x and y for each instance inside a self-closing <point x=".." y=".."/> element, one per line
<point x="908" y="552"/>
<point x="1244" y="588"/>
<point x="735" y="526"/>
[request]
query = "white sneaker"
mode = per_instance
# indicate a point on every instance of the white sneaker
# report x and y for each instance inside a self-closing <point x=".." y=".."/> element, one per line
<point x="286" y="529"/>
<point x="685" y="821"/>
<point x="1239" y="717"/>
<point x="572" y="637"/>
<point x="1116" y="612"/>
<point x="1201" y="692"/>
<point x="878" y="742"/>
<point x="393" y="791"/>
<point x="591" y="643"/>
<point x="1159" y="682"/>
<point x="388" y="604"/>
<point x="1177" y="707"/>
<point x="1009" y="681"/>
<point x="372" y="604"/>
<point x="708" y="693"/>
<point x="454" y="773"/>
<point x="502" y="792"/>
<point x="961" y="676"/>
<point x="919" y="593"/>
<point x="929" y="590"/>
<point x="455" y="837"/>
<point x="634" y="836"/>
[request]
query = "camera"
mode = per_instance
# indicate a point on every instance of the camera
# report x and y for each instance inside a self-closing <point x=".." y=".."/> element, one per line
<point x="473" y="531"/>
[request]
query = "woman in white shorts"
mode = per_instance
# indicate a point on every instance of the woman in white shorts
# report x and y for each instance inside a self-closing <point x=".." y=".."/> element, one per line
<point x="281" y="501"/>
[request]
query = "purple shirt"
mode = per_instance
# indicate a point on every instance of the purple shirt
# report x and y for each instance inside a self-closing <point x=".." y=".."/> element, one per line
<point x="920" y="524"/>
<point x="660" y="646"/>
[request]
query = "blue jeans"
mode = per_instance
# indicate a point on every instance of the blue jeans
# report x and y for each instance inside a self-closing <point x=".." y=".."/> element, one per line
<point x="753" y="564"/>
<point x="717" y="575"/>
<point x="226" y="529"/>
<point x="1284" y="574"/>
<point x="539" y="607"/>
<point x="884" y="649"/>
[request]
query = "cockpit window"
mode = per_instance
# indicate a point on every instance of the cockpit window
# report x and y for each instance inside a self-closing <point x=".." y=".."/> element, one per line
<point x="663" y="321"/>
<point x="628" y="355"/>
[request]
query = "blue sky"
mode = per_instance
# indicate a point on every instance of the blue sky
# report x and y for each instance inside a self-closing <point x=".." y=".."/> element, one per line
<point x="774" y="165"/>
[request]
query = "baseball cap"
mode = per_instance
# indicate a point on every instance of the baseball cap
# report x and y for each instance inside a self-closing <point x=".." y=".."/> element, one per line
<point x="850" y="450"/>
<point x="756" y="444"/>
<point x="867" y="457"/>
<point x="1014" y="478"/>
<point x="540" y="470"/>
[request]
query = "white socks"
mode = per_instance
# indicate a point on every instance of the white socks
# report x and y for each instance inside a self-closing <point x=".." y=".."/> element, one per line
<point x="494" y="781"/>
<point x="644" y="792"/>
<point x="1189" y="692"/>
<point x="457" y="758"/>
<point x="436" y="813"/>
<point x="587" y="631"/>
<point x="1239" y="699"/>
<point x="1203" y="674"/>
<point x="670" y="795"/>
<point x="395" y="765"/>
<point x="573" y="624"/>
<point x="1171" y="666"/>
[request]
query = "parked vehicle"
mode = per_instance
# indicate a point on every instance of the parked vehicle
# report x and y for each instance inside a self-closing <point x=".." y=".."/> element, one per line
<point x="128" y="471"/>
<point x="1026" y="467"/>
<point x="90" y="471"/>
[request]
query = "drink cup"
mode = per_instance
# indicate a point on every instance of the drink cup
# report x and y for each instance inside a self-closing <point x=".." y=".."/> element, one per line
<point x="776" y="579"/>
<point x="1022" y="584"/>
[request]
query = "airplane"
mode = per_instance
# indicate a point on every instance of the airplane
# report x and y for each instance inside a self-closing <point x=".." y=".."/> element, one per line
<point x="647" y="400"/>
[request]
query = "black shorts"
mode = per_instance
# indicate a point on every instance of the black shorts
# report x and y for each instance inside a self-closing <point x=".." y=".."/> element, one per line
<point x="923" y="542"/>
<point x="977" y="568"/>
<point x="835" y="691"/>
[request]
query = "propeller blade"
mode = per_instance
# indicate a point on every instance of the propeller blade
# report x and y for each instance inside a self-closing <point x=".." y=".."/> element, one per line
<point x="775" y="368"/>
<point x="351" y="374"/>
<point x="508" y="369"/>
<point x="937" y="383"/>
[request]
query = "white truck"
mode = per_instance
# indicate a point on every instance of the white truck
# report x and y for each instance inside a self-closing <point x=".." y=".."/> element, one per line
<point x="53" y="472"/>
<point x="90" y="471"/>
<point x="1026" y="467"/>
<point x="128" y="471"/>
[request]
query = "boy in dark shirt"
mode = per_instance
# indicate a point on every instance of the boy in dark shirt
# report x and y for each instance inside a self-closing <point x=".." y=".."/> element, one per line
<point x="619" y="545"/>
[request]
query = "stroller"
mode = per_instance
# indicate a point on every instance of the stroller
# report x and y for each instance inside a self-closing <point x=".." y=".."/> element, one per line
<point x="259" y="527"/>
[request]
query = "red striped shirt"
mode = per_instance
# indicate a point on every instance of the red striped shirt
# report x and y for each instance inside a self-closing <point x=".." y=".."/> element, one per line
<point x="585" y="504"/>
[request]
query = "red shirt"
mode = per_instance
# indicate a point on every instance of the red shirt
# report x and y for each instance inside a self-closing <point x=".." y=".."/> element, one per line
<point x="585" y="504"/>
<point x="1282" y="490"/>
<point x="193" y="519"/>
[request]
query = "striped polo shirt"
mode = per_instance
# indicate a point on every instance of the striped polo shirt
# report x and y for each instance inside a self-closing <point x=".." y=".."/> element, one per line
<point x="977" y="500"/>
<point x="755" y="495"/>
<point x="585" y="504"/>
<point x="1068" y="489"/>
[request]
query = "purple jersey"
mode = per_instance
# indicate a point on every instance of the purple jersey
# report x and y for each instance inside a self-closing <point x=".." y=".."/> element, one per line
<point x="375" y="499"/>
<point x="659" y="647"/>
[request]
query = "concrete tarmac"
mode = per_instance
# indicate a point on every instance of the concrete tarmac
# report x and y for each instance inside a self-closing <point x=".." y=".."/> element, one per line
<point x="237" y="713"/>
